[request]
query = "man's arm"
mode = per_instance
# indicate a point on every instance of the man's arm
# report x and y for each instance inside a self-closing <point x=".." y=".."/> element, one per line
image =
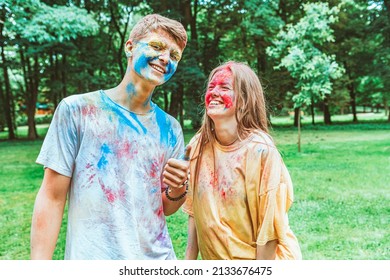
<point x="192" y="249"/>
<point x="48" y="212"/>
<point x="267" y="251"/>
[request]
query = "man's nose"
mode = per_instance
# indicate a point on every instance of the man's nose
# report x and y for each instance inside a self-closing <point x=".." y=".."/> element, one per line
<point x="164" y="57"/>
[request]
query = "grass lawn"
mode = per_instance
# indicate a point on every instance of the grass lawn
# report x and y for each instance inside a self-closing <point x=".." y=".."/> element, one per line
<point x="341" y="186"/>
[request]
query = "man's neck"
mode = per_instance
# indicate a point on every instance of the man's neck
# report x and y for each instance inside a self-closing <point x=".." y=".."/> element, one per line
<point x="133" y="93"/>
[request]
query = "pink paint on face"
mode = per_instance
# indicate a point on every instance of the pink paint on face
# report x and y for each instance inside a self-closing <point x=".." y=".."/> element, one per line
<point x="221" y="85"/>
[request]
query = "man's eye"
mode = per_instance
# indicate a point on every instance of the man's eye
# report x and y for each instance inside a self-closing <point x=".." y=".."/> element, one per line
<point x="156" y="47"/>
<point x="175" y="57"/>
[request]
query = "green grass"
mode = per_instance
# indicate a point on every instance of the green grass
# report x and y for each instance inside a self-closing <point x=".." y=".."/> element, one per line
<point x="341" y="187"/>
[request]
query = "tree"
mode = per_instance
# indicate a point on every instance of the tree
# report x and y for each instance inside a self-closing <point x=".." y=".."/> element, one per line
<point x="6" y="97"/>
<point x="38" y="29"/>
<point x="298" y="48"/>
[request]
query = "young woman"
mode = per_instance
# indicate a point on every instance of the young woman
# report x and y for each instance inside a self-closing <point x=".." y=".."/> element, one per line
<point x="240" y="190"/>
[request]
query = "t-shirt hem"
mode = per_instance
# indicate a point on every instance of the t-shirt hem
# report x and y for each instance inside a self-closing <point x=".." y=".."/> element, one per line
<point x="53" y="166"/>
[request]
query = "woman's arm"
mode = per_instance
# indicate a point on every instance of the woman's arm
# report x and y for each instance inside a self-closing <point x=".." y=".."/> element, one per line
<point x="267" y="251"/>
<point x="192" y="241"/>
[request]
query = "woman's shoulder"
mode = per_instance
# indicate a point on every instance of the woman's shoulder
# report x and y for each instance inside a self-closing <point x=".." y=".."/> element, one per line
<point x="262" y="138"/>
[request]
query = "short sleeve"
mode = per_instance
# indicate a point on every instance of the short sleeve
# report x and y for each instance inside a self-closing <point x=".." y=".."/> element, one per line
<point x="59" y="149"/>
<point x="276" y="197"/>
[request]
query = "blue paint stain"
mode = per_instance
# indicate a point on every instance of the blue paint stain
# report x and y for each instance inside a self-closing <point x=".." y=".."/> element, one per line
<point x="171" y="69"/>
<point x="122" y="119"/>
<point x="167" y="136"/>
<point x="141" y="63"/>
<point x="102" y="162"/>
<point x="105" y="149"/>
<point x="134" y="116"/>
<point x="130" y="89"/>
<point x="153" y="190"/>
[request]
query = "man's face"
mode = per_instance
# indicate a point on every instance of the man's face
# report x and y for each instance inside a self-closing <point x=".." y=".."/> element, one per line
<point x="155" y="57"/>
<point x="220" y="98"/>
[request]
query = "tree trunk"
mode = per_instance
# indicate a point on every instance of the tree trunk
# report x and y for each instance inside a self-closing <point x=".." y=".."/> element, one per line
<point x="176" y="102"/>
<point x="33" y="77"/>
<point x="312" y="113"/>
<point x="8" y="98"/>
<point x="8" y="103"/>
<point x="327" y="117"/>
<point x="64" y="92"/>
<point x="352" y="95"/>
<point x="297" y="113"/>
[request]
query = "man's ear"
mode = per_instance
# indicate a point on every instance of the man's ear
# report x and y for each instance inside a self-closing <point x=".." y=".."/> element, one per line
<point x="128" y="48"/>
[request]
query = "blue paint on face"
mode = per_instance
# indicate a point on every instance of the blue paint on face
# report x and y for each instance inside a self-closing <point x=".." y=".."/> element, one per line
<point x="141" y="63"/>
<point x="167" y="136"/>
<point x="171" y="69"/>
<point x="147" y="56"/>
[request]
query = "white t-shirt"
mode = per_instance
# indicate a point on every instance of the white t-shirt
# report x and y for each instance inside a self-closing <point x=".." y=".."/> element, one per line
<point x="115" y="159"/>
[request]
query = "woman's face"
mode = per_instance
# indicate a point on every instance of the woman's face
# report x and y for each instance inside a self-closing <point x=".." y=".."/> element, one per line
<point x="220" y="97"/>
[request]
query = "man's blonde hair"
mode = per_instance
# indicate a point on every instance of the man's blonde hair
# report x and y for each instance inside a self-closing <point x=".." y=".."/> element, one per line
<point x="156" y="22"/>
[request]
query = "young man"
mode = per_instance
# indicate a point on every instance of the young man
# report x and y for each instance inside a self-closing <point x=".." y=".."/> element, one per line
<point x="106" y="150"/>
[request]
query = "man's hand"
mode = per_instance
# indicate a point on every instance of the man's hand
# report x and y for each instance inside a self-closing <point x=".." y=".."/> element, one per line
<point x="176" y="170"/>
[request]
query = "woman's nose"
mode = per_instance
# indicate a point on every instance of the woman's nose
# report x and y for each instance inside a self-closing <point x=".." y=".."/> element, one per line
<point x="215" y="92"/>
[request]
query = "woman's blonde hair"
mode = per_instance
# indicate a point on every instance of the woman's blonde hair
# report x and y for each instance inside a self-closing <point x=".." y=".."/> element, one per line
<point x="250" y="111"/>
<point x="155" y="22"/>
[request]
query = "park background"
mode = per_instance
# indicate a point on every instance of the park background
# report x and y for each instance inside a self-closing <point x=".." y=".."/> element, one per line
<point x="325" y="68"/>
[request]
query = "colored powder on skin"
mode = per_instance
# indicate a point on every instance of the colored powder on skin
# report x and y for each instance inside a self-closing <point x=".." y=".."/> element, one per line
<point x="145" y="58"/>
<point x="130" y="90"/>
<point x="170" y="70"/>
<point x="227" y="100"/>
<point x="222" y="77"/>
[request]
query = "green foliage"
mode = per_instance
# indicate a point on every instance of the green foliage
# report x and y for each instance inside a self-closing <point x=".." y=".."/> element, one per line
<point x="297" y="47"/>
<point x="59" y="24"/>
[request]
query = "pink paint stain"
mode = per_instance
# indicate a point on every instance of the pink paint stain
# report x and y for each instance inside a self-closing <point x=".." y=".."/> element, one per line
<point x="154" y="170"/>
<point x="160" y="212"/>
<point x="124" y="150"/>
<point x="88" y="165"/>
<point x="90" y="179"/>
<point x="88" y="110"/>
<point x="214" y="180"/>
<point x="108" y="193"/>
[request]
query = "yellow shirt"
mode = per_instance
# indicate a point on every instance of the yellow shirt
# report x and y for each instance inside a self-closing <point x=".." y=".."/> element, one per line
<point x="241" y="200"/>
